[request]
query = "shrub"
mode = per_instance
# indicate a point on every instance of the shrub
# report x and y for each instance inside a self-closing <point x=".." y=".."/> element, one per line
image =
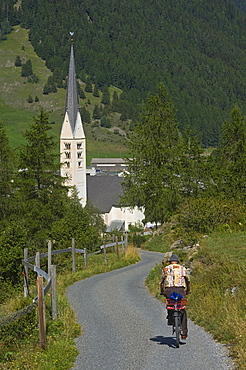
<point x="204" y="215"/>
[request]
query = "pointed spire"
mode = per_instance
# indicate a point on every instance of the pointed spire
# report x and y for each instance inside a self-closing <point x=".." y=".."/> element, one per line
<point x="72" y="101"/>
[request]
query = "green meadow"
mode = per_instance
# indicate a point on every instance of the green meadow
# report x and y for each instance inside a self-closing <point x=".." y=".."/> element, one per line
<point x="16" y="113"/>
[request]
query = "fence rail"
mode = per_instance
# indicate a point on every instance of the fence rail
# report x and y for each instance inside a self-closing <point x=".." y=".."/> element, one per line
<point x="27" y="265"/>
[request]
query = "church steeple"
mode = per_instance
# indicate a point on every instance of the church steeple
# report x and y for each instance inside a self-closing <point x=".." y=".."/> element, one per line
<point x="72" y="101"/>
<point x="72" y="138"/>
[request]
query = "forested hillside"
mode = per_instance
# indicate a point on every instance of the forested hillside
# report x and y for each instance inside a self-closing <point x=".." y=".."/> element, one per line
<point x="241" y="5"/>
<point x="196" y="48"/>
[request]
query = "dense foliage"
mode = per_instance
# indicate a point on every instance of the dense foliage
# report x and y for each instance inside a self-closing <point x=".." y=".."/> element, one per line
<point x="34" y="203"/>
<point x="168" y="175"/>
<point x="196" y="48"/>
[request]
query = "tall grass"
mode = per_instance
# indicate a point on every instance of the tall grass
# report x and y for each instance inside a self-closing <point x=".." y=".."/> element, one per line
<point x="19" y="341"/>
<point x="218" y="299"/>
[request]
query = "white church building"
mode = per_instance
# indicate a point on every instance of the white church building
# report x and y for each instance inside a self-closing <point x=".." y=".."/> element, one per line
<point x="101" y="189"/>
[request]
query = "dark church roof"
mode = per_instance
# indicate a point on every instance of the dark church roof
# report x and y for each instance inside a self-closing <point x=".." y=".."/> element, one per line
<point x="103" y="191"/>
<point x="72" y="100"/>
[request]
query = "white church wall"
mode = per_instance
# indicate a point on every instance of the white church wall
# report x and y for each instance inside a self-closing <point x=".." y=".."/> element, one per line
<point x="130" y="216"/>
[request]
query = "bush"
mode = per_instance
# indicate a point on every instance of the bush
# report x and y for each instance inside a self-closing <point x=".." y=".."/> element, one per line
<point x="203" y="215"/>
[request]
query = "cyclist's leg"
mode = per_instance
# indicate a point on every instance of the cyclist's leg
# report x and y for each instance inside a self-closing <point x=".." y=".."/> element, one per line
<point x="184" y="328"/>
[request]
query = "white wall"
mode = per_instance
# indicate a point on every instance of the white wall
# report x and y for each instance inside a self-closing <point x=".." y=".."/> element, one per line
<point x="130" y="216"/>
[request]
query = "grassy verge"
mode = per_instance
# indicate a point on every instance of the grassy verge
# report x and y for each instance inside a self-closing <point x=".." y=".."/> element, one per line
<point x="19" y="341"/>
<point x="218" y="299"/>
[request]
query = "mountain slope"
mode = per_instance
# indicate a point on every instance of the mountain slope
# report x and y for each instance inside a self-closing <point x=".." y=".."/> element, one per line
<point x="16" y="113"/>
<point x="196" y="48"/>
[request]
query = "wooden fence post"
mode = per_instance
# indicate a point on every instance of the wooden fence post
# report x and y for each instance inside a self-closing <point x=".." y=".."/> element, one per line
<point x="53" y="287"/>
<point x="117" y="247"/>
<point x="126" y="240"/>
<point x="85" y="258"/>
<point x="41" y="313"/>
<point x="49" y="256"/>
<point x="37" y="260"/>
<point x="73" y="257"/>
<point x="26" y="284"/>
<point x="105" y="253"/>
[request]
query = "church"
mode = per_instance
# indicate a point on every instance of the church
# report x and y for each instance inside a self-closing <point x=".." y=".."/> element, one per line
<point x="102" y="189"/>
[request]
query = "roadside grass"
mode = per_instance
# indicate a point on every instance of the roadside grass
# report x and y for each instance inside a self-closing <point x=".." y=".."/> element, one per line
<point x="19" y="341"/>
<point x="160" y="241"/>
<point x="218" y="299"/>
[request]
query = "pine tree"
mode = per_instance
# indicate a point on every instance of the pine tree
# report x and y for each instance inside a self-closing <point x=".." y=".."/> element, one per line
<point x="6" y="174"/>
<point x="96" y="91"/>
<point x="105" y="96"/>
<point x="153" y="181"/>
<point x="81" y="92"/>
<point x="88" y="85"/>
<point x="26" y="69"/>
<point x="96" y="112"/>
<point x="40" y="190"/>
<point x="85" y="115"/>
<point x="231" y="169"/>
<point x="30" y="99"/>
<point x="18" y="62"/>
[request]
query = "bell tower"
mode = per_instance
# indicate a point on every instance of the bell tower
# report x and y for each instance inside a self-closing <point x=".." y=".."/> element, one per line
<point x="72" y="138"/>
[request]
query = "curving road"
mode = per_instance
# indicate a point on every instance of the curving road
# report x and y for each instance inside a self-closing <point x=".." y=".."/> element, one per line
<point x="124" y="327"/>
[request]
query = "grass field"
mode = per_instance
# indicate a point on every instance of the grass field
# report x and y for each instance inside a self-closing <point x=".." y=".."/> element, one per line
<point x="16" y="113"/>
<point x="218" y="298"/>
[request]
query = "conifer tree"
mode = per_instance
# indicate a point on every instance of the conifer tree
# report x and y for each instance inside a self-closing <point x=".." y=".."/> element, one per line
<point x="40" y="190"/>
<point x="153" y="181"/>
<point x="88" y="85"/>
<point x="96" y="91"/>
<point x="231" y="169"/>
<point x="18" y="62"/>
<point x="26" y="69"/>
<point x="96" y="112"/>
<point x="6" y="174"/>
<point x="105" y="96"/>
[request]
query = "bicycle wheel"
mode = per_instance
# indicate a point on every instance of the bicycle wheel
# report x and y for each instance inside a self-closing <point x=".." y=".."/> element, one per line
<point x="177" y="329"/>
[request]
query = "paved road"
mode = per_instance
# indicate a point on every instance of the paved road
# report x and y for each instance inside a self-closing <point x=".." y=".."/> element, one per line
<point x="124" y="327"/>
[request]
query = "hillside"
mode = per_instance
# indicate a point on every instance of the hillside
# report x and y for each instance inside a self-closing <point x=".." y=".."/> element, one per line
<point x="196" y="48"/>
<point x="16" y="113"/>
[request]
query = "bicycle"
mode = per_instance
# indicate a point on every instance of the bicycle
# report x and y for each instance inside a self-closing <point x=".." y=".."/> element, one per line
<point x="176" y="305"/>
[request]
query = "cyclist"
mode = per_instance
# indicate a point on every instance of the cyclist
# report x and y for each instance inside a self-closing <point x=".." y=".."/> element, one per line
<point x="175" y="278"/>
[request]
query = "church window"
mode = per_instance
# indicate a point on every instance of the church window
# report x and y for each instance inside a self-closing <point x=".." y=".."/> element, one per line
<point x="79" y="154"/>
<point x="79" y="164"/>
<point x="67" y="145"/>
<point x="79" y="145"/>
<point x="68" y="164"/>
<point x="68" y="154"/>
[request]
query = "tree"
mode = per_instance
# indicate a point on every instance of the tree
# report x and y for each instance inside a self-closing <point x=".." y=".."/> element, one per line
<point x="85" y="114"/>
<point x="13" y="241"/>
<point x="79" y="223"/>
<point x="105" y="96"/>
<point x="6" y="174"/>
<point x="96" y="91"/>
<point x="26" y="69"/>
<point x="81" y="92"/>
<point x="30" y="99"/>
<point x="88" y="85"/>
<point x="96" y="112"/>
<point x="105" y="122"/>
<point x="18" y="62"/>
<point x="231" y="163"/>
<point x="41" y="193"/>
<point x="153" y="181"/>
<point x="115" y="101"/>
